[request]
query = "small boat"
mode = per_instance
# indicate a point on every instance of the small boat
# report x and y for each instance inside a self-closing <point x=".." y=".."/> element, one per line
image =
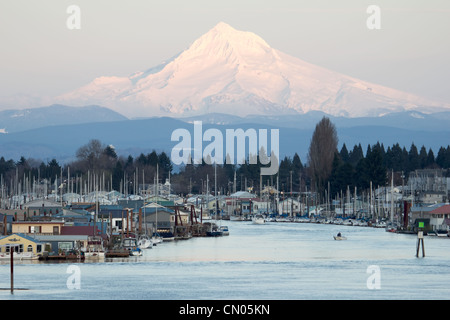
<point x="214" y="233"/>
<point x="258" y="219"/>
<point x="441" y="233"/>
<point x="131" y="245"/>
<point x="237" y="218"/>
<point x="156" y="238"/>
<point x="225" y="230"/>
<point x="145" y="242"/>
<point x="339" y="236"/>
<point x="213" y="230"/>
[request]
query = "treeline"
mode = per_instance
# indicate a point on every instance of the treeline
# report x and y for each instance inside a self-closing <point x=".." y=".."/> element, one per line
<point x="355" y="169"/>
<point x="349" y="169"/>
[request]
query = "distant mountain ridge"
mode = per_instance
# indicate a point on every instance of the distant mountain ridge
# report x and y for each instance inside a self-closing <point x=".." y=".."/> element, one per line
<point x="25" y="119"/>
<point x="132" y="137"/>
<point x="410" y="120"/>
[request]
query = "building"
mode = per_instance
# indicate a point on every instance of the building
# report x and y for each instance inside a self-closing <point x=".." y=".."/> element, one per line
<point x="22" y="243"/>
<point x="260" y="206"/>
<point x="63" y="243"/>
<point x="42" y="207"/>
<point x="440" y="218"/>
<point x="154" y="215"/>
<point x="240" y="203"/>
<point x="37" y="227"/>
<point x="290" y="207"/>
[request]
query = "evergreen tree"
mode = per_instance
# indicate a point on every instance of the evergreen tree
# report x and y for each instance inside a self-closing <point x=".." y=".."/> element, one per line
<point x="345" y="157"/>
<point x="413" y="161"/>
<point x="376" y="170"/>
<point x="423" y="156"/>
<point x="443" y="157"/>
<point x="430" y="159"/>
<point x="356" y="155"/>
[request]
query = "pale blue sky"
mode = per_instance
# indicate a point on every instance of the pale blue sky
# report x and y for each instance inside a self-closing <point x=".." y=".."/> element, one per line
<point x="39" y="56"/>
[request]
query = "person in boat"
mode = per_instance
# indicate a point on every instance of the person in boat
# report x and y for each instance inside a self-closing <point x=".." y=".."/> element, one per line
<point x="339" y="234"/>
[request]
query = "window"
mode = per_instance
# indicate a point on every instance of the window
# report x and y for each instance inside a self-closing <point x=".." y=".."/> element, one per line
<point x="55" y="230"/>
<point x="30" y="248"/>
<point x="35" y="229"/>
<point x="38" y="248"/>
<point x="65" y="246"/>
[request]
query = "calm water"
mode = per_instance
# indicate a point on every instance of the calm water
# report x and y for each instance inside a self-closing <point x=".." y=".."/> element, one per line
<point x="277" y="261"/>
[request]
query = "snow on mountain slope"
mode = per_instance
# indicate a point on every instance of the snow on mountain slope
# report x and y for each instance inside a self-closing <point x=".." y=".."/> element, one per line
<point x="236" y="72"/>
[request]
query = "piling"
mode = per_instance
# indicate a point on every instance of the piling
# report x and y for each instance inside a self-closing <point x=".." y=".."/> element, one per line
<point x="420" y="243"/>
<point x="11" y="253"/>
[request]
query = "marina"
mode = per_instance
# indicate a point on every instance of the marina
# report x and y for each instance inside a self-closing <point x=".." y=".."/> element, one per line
<point x="278" y="261"/>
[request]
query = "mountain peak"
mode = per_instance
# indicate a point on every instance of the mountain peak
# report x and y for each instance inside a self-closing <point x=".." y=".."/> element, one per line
<point x="224" y="41"/>
<point x="223" y="27"/>
<point x="236" y="72"/>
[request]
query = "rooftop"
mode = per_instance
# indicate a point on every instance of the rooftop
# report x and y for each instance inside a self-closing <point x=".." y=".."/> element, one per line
<point x="442" y="210"/>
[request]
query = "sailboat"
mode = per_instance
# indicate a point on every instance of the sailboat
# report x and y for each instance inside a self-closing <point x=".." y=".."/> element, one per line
<point x="145" y="242"/>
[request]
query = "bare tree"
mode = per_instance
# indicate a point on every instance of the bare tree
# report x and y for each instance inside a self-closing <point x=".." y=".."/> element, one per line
<point x="321" y="152"/>
<point x="90" y="154"/>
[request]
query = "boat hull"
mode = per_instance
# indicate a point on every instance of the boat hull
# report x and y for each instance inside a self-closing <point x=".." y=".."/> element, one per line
<point x="258" y="221"/>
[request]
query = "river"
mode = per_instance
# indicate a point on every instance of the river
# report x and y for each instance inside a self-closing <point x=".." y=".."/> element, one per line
<point x="274" y="261"/>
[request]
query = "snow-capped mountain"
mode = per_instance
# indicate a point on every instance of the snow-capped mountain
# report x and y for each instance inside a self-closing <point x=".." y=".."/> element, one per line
<point x="235" y="72"/>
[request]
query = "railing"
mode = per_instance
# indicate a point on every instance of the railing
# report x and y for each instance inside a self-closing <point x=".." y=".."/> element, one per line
<point x="40" y="233"/>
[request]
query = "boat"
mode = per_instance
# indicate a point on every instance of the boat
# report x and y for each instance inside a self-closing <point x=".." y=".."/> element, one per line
<point x="442" y="233"/>
<point x="258" y="219"/>
<point x="94" y="249"/>
<point x="131" y="244"/>
<point x="339" y="236"/>
<point x="225" y="230"/>
<point x="212" y="230"/>
<point x="237" y="218"/>
<point x="166" y="235"/>
<point x="214" y="233"/>
<point x="156" y="238"/>
<point x="145" y="242"/>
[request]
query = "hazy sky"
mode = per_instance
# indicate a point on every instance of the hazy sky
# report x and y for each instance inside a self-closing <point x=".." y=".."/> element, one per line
<point x="40" y="56"/>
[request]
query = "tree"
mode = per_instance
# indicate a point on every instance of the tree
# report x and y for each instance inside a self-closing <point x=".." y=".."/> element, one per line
<point x="443" y="157"/>
<point x="342" y="175"/>
<point x="376" y="170"/>
<point x="345" y="157"/>
<point x="90" y="154"/>
<point x="430" y="160"/>
<point x="321" y="152"/>
<point x="355" y="155"/>
<point x="423" y="155"/>
<point x="413" y="159"/>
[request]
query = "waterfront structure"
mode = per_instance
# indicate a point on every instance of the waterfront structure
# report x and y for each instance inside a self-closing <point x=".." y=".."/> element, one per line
<point x="290" y="207"/>
<point x="440" y="218"/>
<point x="63" y="243"/>
<point x="25" y="247"/>
<point x="37" y="227"/>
